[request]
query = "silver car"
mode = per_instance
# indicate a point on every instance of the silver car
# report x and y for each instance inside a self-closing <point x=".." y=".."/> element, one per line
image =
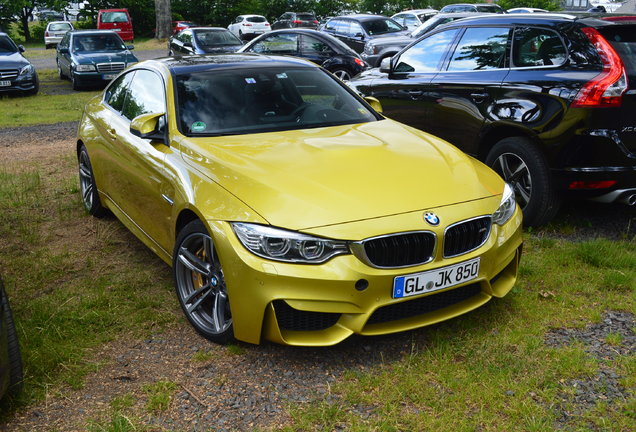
<point x="55" y="31"/>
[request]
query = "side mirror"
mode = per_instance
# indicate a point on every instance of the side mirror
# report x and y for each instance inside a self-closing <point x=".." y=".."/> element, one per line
<point x="21" y="48"/>
<point x="375" y="104"/>
<point x="385" y="65"/>
<point x="63" y="50"/>
<point x="149" y="126"/>
<point x="359" y="35"/>
<point x="130" y="47"/>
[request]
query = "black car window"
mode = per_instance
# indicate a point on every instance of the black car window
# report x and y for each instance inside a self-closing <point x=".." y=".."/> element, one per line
<point x="623" y="40"/>
<point x="305" y="17"/>
<point x="311" y="45"/>
<point x="331" y="24"/>
<point x="427" y="54"/>
<point x="145" y="95"/>
<point x="7" y="45"/>
<point x="381" y="26"/>
<point x="279" y="43"/>
<point x="256" y="19"/>
<point x="116" y="93"/>
<point x="537" y="47"/>
<point x="480" y="48"/>
<point x="210" y="38"/>
<point x="186" y="37"/>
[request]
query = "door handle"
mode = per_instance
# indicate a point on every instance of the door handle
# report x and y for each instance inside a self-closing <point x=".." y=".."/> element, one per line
<point x="415" y="93"/>
<point x="112" y="133"/>
<point x="479" y="97"/>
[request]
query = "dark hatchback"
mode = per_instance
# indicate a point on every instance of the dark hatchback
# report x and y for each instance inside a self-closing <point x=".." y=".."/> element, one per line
<point x="548" y="101"/>
<point x="295" y="20"/>
<point x="357" y="30"/>
<point x="17" y="75"/>
<point x="203" y="40"/>
<point x="320" y="48"/>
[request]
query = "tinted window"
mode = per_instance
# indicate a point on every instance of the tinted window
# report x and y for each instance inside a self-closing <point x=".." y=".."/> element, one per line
<point x="247" y="101"/>
<point x="623" y="40"/>
<point x="114" y="17"/>
<point x="342" y="27"/>
<point x="311" y="45"/>
<point x="480" y="49"/>
<point x="305" y="17"/>
<point x="145" y="95"/>
<point x="256" y="19"/>
<point x="7" y="45"/>
<point x="355" y="29"/>
<point x="537" y="47"/>
<point x="381" y="26"/>
<point x="280" y="43"/>
<point x="116" y="94"/>
<point x="427" y="54"/>
<point x="215" y="38"/>
<point x="185" y="37"/>
<point x="101" y="42"/>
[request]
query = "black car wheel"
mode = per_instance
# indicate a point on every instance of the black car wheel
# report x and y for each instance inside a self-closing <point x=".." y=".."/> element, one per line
<point x="342" y="74"/>
<point x="13" y="347"/>
<point x="200" y="285"/>
<point x="88" y="188"/>
<point x="520" y="163"/>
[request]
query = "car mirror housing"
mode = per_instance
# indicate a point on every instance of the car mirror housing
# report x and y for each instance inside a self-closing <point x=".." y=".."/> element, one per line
<point x="63" y="50"/>
<point x="21" y="48"/>
<point x="375" y="104"/>
<point x="385" y="65"/>
<point x="130" y="47"/>
<point x="148" y="126"/>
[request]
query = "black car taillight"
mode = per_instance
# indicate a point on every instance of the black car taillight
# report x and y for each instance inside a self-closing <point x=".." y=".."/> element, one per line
<point x="607" y="88"/>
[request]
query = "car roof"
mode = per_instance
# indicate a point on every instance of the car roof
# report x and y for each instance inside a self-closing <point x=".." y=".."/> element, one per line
<point x="362" y="17"/>
<point x="195" y="63"/>
<point x="534" y="18"/>
<point x="76" y="32"/>
<point x="206" y="28"/>
<point x="59" y="22"/>
<point x="251" y="15"/>
<point x="416" y="11"/>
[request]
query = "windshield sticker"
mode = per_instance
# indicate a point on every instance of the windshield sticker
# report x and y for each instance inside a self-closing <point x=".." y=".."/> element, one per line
<point x="250" y="80"/>
<point x="281" y="75"/>
<point x="198" y="126"/>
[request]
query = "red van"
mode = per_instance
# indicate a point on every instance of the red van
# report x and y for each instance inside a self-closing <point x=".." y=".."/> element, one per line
<point x="116" y="20"/>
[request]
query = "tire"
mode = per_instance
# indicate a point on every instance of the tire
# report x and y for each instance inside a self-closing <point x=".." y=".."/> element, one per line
<point x="13" y="347"/>
<point x="75" y="82"/>
<point x="520" y="163"/>
<point x="342" y="74"/>
<point x="241" y="35"/>
<point x="200" y="285"/>
<point x="59" y="71"/>
<point x="88" y="188"/>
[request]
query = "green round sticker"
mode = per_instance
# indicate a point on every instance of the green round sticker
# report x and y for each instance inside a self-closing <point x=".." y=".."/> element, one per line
<point x="197" y="126"/>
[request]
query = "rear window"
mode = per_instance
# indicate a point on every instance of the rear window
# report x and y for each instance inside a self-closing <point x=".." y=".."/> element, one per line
<point x="305" y="17"/>
<point x="60" y="26"/>
<point x="623" y="40"/>
<point x="114" y="17"/>
<point x="381" y="26"/>
<point x="537" y="47"/>
<point x="256" y="19"/>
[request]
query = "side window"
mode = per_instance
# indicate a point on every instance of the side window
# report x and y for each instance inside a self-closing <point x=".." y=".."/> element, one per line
<point x="342" y="27"/>
<point x="116" y="94"/>
<point x="186" y="37"/>
<point x="411" y="21"/>
<point x="280" y="43"/>
<point x="427" y="54"/>
<point x="145" y="95"/>
<point x="480" y="48"/>
<point x="400" y="19"/>
<point x="537" y="47"/>
<point x="355" y="29"/>
<point x="331" y="24"/>
<point x="238" y="20"/>
<point x="64" y="41"/>
<point x="311" y="45"/>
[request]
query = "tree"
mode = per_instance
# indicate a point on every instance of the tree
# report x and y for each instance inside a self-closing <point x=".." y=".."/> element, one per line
<point x="163" y="16"/>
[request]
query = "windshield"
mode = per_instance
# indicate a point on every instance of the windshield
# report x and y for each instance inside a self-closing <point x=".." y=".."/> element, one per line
<point x="7" y="45"/>
<point x="103" y="42"/>
<point x="242" y="101"/>
<point x="209" y="38"/>
<point x="381" y="26"/>
<point x="430" y="25"/>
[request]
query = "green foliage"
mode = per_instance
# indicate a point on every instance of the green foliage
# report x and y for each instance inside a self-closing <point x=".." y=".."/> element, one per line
<point x="37" y="31"/>
<point x="159" y="395"/>
<point x="551" y="5"/>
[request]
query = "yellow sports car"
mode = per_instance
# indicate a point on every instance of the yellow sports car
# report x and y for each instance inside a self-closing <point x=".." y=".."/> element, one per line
<point x="288" y="207"/>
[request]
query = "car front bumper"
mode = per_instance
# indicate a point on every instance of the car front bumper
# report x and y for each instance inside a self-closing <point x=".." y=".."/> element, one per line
<point x="318" y="305"/>
<point x="26" y="83"/>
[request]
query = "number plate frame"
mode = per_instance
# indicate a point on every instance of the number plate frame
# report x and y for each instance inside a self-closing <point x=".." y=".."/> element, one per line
<point x="435" y="280"/>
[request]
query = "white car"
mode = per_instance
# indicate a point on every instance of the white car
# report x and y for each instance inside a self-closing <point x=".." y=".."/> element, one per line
<point x="526" y="10"/>
<point x="412" y="19"/>
<point x="249" y="26"/>
<point x="55" y="31"/>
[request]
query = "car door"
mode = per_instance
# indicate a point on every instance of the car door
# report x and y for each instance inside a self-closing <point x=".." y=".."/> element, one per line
<point x="137" y="174"/>
<point x="64" y="58"/>
<point x="356" y="37"/>
<point x="405" y="93"/>
<point x="315" y="50"/>
<point x="466" y="88"/>
<point x="277" y="44"/>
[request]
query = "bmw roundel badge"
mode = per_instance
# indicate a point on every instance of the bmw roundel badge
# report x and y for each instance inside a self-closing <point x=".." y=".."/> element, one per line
<point x="431" y="218"/>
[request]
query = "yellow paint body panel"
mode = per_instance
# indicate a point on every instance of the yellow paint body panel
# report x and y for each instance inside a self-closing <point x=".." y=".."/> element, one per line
<point x="344" y="182"/>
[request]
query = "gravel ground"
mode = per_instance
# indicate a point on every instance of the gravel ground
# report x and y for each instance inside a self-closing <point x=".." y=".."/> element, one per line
<point x="243" y="387"/>
<point x="580" y="395"/>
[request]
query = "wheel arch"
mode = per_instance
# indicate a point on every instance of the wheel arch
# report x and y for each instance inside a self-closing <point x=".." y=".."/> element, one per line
<point x="186" y="216"/>
<point x="495" y="134"/>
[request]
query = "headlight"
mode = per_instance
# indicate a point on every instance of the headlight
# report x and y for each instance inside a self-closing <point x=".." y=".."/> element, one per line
<point x="288" y="246"/>
<point x="369" y="49"/>
<point x="85" y="68"/>
<point x="28" y="69"/>
<point x="506" y="208"/>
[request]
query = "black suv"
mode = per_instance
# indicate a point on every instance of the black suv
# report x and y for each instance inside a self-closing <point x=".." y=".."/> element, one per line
<point x="295" y="20"/>
<point x="356" y="30"/>
<point x="548" y="101"/>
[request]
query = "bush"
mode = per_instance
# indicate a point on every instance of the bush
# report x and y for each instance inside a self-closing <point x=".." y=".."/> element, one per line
<point x="37" y="31"/>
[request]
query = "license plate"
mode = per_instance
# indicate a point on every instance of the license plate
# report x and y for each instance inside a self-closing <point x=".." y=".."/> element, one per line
<point x="5" y="83"/>
<point x="108" y="77"/>
<point x="116" y="29"/>
<point x="434" y="280"/>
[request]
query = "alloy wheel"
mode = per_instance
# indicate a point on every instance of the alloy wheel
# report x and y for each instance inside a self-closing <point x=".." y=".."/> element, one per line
<point x="515" y="171"/>
<point x="86" y="181"/>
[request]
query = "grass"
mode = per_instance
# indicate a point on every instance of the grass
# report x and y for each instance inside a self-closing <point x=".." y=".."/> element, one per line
<point x="159" y="395"/>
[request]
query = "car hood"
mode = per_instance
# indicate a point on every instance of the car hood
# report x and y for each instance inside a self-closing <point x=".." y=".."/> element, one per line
<point x="404" y="39"/>
<point x="105" y="57"/>
<point x="317" y="177"/>
<point x="13" y="60"/>
<point x="397" y="35"/>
